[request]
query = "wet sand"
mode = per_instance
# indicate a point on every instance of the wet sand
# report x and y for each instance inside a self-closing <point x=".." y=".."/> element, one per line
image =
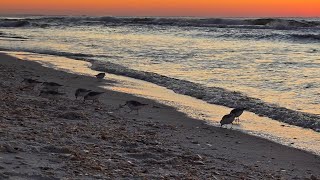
<point x="60" y="137"/>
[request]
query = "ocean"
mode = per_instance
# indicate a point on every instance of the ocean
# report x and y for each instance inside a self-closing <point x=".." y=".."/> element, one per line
<point x="268" y="65"/>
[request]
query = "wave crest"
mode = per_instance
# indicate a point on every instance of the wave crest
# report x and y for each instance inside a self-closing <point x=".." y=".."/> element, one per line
<point x="274" y="23"/>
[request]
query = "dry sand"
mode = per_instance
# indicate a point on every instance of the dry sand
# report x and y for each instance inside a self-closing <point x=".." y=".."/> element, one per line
<point x="63" y="138"/>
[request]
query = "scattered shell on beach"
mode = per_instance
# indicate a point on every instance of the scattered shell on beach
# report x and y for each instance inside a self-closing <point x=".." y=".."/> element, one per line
<point x="73" y="116"/>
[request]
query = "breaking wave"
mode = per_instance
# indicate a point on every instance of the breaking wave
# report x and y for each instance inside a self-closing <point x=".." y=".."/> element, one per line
<point x="14" y="23"/>
<point x="302" y="29"/>
<point x="274" y="23"/>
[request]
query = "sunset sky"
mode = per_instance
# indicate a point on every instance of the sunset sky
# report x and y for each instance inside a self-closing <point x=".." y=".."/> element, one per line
<point x="208" y="8"/>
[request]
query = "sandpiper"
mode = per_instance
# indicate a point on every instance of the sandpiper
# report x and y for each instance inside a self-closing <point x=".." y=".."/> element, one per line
<point x="49" y="92"/>
<point x="92" y="96"/>
<point x="30" y="83"/>
<point x="81" y="92"/>
<point x="227" y="119"/>
<point x="237" y="113"/>
<point x="100" y="76"/>
<point x="134" y="105"/>
<point x="51" y="86"/>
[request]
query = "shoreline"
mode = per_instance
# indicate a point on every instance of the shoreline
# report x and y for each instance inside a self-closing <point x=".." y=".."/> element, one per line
<point x="216" y="95"/>
<point x="177" y="145"/>
<point x="252" y="124"/>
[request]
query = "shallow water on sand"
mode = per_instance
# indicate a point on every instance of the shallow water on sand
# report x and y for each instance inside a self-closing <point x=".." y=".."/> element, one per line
<point x="285" y="134"/>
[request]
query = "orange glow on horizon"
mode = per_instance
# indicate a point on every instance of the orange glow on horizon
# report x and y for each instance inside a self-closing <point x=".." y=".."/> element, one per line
<point x="296" y="8"/>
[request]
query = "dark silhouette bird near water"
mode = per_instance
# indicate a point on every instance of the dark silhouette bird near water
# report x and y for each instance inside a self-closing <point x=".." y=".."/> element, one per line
<point x="134" y="105"/>
<point x="237" y="113"/>
<point x="30" y="83"/>
<point x="81" y="92"/>
<point x="227" y="119"/>
<point x="94" y="96"/>
<point x="100" y="76"/>
<point x="51" y="86"/>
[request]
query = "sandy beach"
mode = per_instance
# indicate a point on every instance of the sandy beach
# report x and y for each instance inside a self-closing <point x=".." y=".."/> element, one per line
<point x="58" y="137"/>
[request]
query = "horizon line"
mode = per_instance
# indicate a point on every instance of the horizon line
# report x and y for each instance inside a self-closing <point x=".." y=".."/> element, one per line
<point x="30" y="14"/>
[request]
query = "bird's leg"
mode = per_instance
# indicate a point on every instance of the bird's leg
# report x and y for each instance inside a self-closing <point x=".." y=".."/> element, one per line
<point x="231" y="125"/>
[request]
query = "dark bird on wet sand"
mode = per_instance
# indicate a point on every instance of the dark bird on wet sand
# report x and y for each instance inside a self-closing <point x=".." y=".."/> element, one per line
<point x="94" y="96"/>
<point x="81" y="92"/>
<point x="134" y="105"/>
<point x="30" y="83"/>
<point x="237" y="113"/>
<point x="44" y="92"/>
<point x="227" y="119"/>
<point x="100" y="76"/>
<point x="51" y="86"/>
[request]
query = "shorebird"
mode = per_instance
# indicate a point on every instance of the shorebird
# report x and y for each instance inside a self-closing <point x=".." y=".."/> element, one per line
<point x="30" y="83"/>
<point x="227" y="119"/>
<point x="237" y="113"/>
<point x="45" y="92"/>
<point x="134" y="105"/>
<point x="81" y="92"/>
<point x="92" y="96"/>
<point x="51" y="86"/>
<point x="100" y="76"/>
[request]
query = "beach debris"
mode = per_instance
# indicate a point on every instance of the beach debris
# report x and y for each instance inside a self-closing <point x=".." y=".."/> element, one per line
<point x="227" y="119"/>
<point x="237" y="113"/>
<point x="7" y="148"/>
<point x="214" y="177"/>
<point x="133" y="105"/>
<point x="56" y="149"/>
<point x="94" y="96"/>
<point x="194" y="142"/>
<point x="81" y="92"/>
<point x="199" y="162"/>
<point x="73" y="116"/>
